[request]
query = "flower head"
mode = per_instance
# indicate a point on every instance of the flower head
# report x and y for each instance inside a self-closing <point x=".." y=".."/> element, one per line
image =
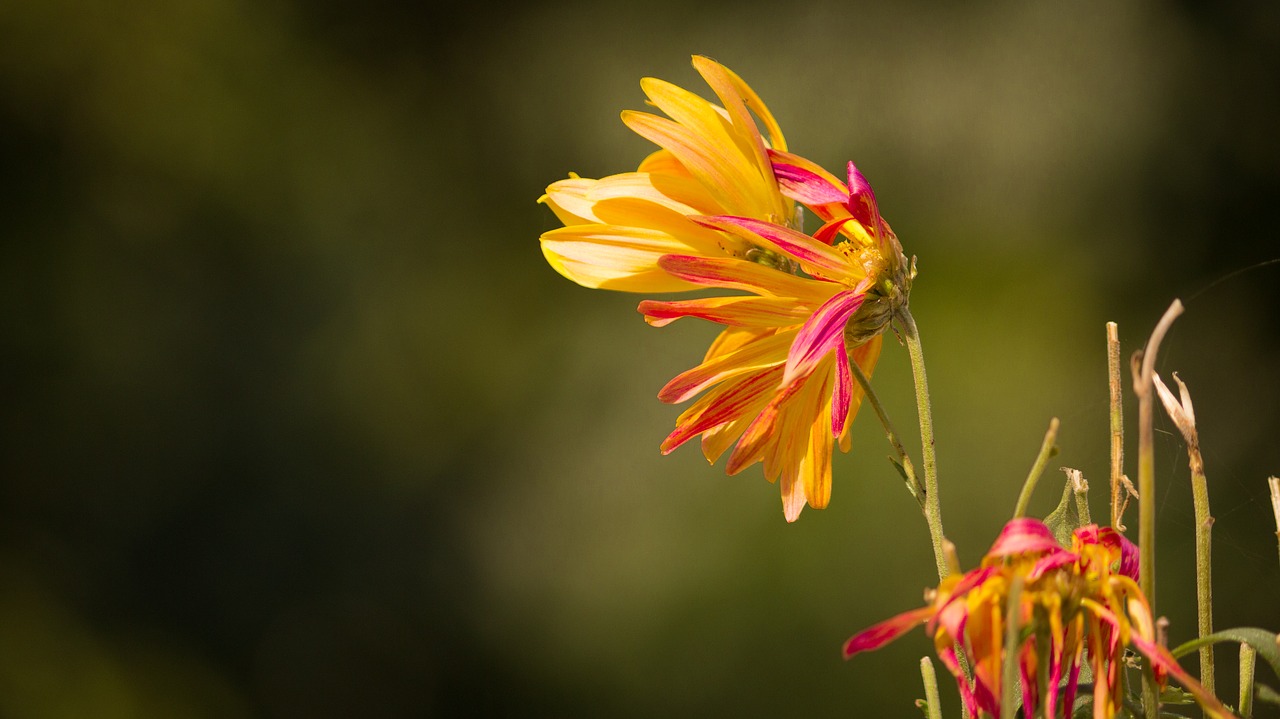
<point x="1068" y="602"/>
<point x="716" y="207"/>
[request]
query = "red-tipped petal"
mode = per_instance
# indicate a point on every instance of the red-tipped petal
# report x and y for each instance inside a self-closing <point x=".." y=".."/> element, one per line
<point x="881" y="634"/>
<point x="842" y="395"/>
<point x="1021" y="536"/>
<point x="816" y="257"/>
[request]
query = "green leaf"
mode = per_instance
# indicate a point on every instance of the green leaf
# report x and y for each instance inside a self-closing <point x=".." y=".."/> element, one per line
<point x="1065" y="518"/>
<point x="1266" y="694"/>
<point x="1176" y="695"/>
<point x="1265" y="642"/>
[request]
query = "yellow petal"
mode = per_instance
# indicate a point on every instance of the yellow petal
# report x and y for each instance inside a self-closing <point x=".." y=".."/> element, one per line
<point x="614" y="257"/>
<point x="719" y="166"/>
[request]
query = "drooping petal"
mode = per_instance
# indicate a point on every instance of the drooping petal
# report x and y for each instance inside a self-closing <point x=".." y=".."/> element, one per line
<point x="762" y="353"/>
<point x="1163" y="660"/>
<point x="793" y="500"/>
<point x="878" y="635"/>
<point x="866" y="356"/>
<point x="842" y="398"/>
<point x="724" y="404"/>
<point x="1023" y="535"/>
<point x="822" y="333"/>
<point x="814" y="420"/>
<point x="756" y="439"/>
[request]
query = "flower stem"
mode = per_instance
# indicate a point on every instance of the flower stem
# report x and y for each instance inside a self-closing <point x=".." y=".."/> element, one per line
<point x="1119" y="498"/>
<point x="1047" y="450"/>
<point x="932" y="506"/>
<point x="904" y="460"/>
<point x="933" y="702"/>
<point x="1143" y="385"/>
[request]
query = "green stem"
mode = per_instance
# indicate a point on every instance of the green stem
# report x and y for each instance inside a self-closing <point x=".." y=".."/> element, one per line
<point x="1143" y="386"/>
<point x="1009" y="678"/>
<point x="932" y="506"/>
<point x="904" y="460"/>
<point x="932" y="700"/>
<point x="1204" y="564"/>
<point x="1248" y="657"/>
<point x="1047" y="450"/>
<point x="1119" y="498"/>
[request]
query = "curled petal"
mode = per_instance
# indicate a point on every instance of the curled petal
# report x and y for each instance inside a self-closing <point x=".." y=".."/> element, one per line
<point x="862" y="200"/>
<point x="1128" y="551"/>
<point x="1021" y="536"/>
<point x="881" y="634"/>
<point x="760" y="354"/>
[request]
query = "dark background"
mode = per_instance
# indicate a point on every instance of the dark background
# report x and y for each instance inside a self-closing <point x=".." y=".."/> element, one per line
<point x="296" y="421"/>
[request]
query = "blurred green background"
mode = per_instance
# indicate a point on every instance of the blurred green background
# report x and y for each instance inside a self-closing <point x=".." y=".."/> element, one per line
<point x="297" y="422"/>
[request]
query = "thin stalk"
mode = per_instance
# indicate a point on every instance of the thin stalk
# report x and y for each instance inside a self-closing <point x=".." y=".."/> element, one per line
<point x="1009" y="678"/>
<point x="1274" y="484"/>
<point x="932" y="700"/>
<point x="932" y="506"/>
<point x="1119" y="497"/>
<point x="1047" y="450"/>
<point x="904" y="460"/>
<point x="1144" y="370"/>
<point x="1183" y="415"/>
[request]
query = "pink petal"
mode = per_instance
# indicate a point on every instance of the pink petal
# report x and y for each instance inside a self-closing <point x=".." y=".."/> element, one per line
<point x="862" y="200"/>
<point x="822" y="333"/>
<point x="1128" y="551"/>
<point x="806" y="186"/>
<point x="881" y="634"/>
<point x="1059" y="558"/>
<point x="1162" y="659"/>
<point x="842" y="396"/>
<point x="1021" y="536"/>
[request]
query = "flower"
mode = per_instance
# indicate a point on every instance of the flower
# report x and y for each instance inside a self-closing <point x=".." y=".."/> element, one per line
<point x="1068" y="602"/>
<point x="716" y="207"/>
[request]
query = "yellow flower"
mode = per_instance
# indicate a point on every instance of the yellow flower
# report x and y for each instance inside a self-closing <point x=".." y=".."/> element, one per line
<point x="716" y="207"/>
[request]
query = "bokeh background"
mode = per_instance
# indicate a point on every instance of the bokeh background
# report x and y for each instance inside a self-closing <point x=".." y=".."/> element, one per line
<point x="296" y="421"/>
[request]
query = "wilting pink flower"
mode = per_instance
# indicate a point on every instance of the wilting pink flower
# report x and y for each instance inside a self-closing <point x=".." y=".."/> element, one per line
<point x="1072" y="602"/>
